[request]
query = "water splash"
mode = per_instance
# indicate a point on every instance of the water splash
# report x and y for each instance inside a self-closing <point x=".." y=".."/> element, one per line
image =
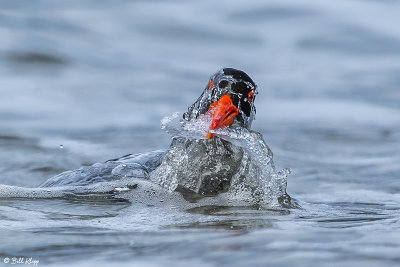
<point x="235" y="167"/>
<point x="193" y="129"/>
<point x="256" y="179"/>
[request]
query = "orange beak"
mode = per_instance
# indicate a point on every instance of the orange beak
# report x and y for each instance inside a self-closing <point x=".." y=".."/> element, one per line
<point x="222" y="113"/>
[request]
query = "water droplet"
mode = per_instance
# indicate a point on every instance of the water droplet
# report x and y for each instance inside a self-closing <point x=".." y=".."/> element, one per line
<point x="61" y="146"/>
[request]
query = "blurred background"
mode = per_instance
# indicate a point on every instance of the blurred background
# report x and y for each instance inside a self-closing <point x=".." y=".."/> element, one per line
<point x="86" y="81"/>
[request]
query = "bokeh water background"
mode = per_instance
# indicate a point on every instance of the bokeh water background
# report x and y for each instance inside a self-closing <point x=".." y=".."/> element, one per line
<point x="86" y="81"/>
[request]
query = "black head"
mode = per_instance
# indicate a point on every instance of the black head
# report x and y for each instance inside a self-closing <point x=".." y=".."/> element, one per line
<point x="238" y="86"/>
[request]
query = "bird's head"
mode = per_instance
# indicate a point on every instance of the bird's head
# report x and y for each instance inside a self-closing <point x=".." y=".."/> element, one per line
<point x="228" y="99"/>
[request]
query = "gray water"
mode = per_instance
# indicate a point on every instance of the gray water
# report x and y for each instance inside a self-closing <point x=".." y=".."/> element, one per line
<point x="86" y="81"/>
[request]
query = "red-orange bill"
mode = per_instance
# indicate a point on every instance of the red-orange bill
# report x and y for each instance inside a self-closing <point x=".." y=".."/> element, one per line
<point x="222" y="113"/>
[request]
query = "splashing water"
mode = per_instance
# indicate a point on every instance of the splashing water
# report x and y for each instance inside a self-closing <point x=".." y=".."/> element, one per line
<point x="193" y="129"/>
<point x="256" y="179"/>
<point x="235" y="167"/>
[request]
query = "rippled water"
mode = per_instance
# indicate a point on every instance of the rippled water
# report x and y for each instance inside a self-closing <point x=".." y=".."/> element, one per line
<point x="87" y="81"/>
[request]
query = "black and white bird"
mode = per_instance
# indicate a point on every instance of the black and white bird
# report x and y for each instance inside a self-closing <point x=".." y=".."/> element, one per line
<point x="206" y="166"/>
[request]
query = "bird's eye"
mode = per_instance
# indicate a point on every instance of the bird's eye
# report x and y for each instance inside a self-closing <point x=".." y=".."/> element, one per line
<point x="209" y="85"/>
<point x="250" y="96"/>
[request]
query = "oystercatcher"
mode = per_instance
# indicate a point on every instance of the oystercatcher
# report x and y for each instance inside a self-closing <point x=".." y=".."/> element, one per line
<point x="201" y="166"/>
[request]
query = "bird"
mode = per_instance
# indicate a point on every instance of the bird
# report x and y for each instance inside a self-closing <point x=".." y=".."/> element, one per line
<point x="193" y="166"/>
<point x="207" y="166"/>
